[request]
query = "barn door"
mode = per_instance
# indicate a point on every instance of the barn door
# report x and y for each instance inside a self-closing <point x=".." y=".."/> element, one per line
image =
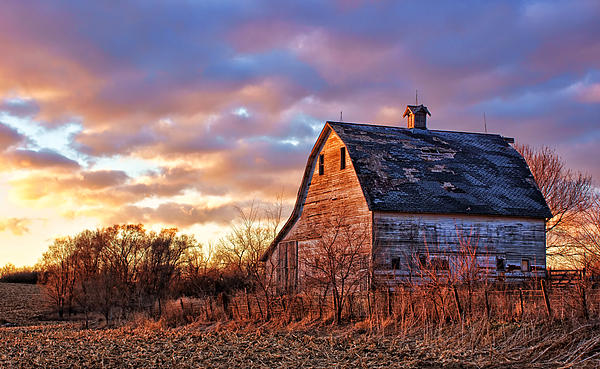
<point x="282" y="266"/>
<point x="292" y="263"/>
<point x="287" y="266"/>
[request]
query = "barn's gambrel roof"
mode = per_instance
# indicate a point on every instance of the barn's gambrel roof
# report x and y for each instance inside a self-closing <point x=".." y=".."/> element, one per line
<point x="443" y="172"/>
<point x="431" y="172"/>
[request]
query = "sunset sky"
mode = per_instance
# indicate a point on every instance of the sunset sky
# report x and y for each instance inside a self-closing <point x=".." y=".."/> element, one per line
<point x="172" y="113"/>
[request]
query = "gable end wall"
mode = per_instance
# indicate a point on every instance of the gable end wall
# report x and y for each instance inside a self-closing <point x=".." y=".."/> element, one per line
<point x="335" y="193"/>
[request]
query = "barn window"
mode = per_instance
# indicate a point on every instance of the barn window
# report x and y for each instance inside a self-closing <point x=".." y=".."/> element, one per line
<point x="525" y="265"/>
<point x="342" y="158"/>
<point x="395" y="263"/>
<point x="423" y="261"/>
<point x="321" y="164"/>
<point x="439" y="263"/>
<point x="500" y="264"/>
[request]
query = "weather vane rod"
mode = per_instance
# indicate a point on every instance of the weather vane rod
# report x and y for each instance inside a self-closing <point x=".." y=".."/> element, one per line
<point x="484" y="123"/>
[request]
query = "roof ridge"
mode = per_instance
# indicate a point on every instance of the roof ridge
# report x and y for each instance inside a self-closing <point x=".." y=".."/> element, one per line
<point x="412" y="129"/>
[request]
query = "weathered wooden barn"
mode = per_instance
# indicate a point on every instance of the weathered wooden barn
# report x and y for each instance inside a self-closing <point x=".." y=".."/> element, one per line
<point x="427" y="199"/>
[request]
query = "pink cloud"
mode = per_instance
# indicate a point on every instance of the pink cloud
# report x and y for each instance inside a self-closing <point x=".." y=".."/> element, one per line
<point x="9" y="137"/>
<point x="589" y="93"/>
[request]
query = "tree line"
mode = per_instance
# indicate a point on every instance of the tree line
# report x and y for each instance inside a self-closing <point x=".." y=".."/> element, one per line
<point x="123" y="269"/>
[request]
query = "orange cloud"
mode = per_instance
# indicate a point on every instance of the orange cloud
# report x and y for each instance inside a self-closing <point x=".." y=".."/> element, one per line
<point x="18" y="226"/>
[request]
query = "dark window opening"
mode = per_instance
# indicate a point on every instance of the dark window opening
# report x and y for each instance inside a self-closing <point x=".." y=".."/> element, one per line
<point x="440" y="264"/>
<point x="342" y="158"/>
<point x="321" y="164"/>
<point x="500" y="264"/>
<point x="395" y="263"/>
<point x="525" y="265"/>
<point x="423" y="261"/>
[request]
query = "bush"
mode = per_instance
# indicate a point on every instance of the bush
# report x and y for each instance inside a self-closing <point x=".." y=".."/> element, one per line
<point x="27" y="277"/>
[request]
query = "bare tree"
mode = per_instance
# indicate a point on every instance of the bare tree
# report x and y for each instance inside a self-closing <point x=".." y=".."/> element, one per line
<point x="338" y="260"/>
<point x="162" y="257"/>
<point x="273" y="215"/>
<point x="87" y="257"/>
<point x="584" y="238"/>
<point x="246" y="241"/>
<point x="58" y="265"/>
<point x="249" y="238"/>
<point x="199" y="270"/>
<point x="566" y="192"/>
<point x="124" y="254"/>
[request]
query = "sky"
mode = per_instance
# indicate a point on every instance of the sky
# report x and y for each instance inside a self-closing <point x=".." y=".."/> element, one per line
<point x="175" y="113"/>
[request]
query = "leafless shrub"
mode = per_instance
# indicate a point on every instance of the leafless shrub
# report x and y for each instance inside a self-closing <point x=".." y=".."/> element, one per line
<point x="566" y="192"/>
<point x="338" y="261"/>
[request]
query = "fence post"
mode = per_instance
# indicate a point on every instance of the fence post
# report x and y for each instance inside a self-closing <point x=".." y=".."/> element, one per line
<point x="457" y="301"/>
<point x="546" y="299"/>
<point x="487" y="305"/>
<point x="586" y="314"/>
<point x="389" y="302"/>
<point x="369" y="304"/>
<point x="522" y="305"/>
<point x="248" y="304"/>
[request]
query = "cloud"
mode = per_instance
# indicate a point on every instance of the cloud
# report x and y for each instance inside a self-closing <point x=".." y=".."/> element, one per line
<point x="24" y="108"/>
<point x="589" y="94"/>
<point x="9" y="137"/>
<point x="18" y="226"/>
<point x="176" y="214"/>
<point x="42" y="159"/>
<point x="104" y="178"/>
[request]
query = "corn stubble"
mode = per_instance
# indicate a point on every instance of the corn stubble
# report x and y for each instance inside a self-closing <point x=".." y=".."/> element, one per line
<point x="233" y="344"/>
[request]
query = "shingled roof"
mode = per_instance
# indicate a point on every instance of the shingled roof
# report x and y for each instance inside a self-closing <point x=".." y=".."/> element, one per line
<point x="416" y="109"/>
<point x="442" y="172"/>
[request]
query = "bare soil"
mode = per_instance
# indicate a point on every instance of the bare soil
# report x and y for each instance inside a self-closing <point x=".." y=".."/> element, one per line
<point x="22" y="304"/>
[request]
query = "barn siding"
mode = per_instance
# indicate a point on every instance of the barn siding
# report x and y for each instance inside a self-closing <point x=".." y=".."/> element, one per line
<point x="401" y="236"/>
<point x="336" y="193"/>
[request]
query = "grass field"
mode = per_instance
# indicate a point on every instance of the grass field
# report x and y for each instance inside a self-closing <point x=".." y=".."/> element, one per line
<point x="145" y="343"/>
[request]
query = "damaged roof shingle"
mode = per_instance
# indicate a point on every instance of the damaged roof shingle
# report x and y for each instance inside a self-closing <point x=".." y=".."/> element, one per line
<point x="428" y="171"/>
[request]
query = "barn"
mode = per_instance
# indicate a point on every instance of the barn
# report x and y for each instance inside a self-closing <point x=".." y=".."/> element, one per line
<point x="416" y="200"/>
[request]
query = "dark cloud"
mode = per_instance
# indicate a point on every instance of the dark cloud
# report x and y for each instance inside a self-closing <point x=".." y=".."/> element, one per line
<point x="9" y="137"/>
<point x="20" y="107"/>
<point x="42" y="159"/>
